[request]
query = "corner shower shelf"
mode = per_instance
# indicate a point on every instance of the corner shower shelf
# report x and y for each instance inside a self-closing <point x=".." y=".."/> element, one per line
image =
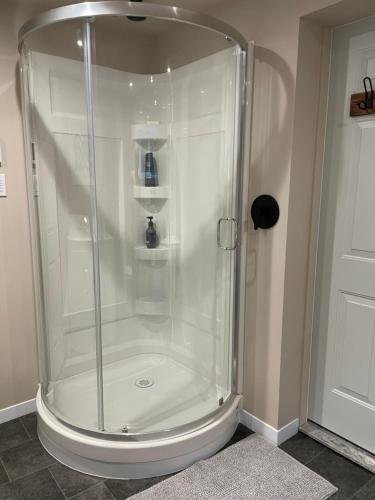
<point x="152" y="306"/>
<point x="144" y="253"/>
<point x="157" y="192"/>
<point x="150" y="135"/>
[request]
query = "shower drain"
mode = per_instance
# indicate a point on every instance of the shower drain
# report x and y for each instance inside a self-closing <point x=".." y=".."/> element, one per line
<point x="143" y="382"/>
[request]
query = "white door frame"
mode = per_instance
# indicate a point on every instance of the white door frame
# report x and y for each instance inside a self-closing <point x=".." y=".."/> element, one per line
<point x="317" y="194"/>
<point x="324" y="67"/>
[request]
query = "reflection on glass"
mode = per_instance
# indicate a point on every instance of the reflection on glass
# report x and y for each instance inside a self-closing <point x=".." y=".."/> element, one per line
<point x="165" y="148"/>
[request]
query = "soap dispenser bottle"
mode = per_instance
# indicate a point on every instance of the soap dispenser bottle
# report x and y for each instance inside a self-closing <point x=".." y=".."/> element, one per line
<point x="151" y="236"/>
<point x="151" y="173"/>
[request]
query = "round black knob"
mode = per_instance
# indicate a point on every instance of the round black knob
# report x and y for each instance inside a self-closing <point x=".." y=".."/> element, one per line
<point x="265" y="211"/>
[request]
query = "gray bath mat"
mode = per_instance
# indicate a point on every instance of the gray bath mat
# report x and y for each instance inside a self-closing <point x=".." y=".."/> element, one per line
<point x="252" y="469"/>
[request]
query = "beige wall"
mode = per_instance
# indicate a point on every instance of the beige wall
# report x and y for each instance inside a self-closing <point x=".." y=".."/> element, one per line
<point x="276" y="290"/>
<point x="283" y="162"/>
<point x="291" y="74"/>
<point x="18" y="365"/>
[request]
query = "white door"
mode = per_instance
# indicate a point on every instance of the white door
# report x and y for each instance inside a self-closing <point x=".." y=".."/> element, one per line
<point x="342" y="392"/>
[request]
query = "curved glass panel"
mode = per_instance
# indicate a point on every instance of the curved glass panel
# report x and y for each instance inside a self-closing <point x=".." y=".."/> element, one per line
<point x="54" y="62"/>
<point x="140" y="120"/>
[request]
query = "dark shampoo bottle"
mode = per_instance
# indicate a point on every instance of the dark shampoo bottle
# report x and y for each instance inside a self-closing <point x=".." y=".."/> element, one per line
<point x="151" y="173"/>
<point x="151" y="236"/>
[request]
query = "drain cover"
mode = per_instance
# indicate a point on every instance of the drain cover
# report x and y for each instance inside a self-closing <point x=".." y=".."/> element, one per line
<point x="144" y="382"/>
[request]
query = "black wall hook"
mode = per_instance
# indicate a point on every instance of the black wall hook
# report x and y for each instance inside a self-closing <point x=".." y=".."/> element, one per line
<point x="265" y="211"/>
<point x="368" y="101"/>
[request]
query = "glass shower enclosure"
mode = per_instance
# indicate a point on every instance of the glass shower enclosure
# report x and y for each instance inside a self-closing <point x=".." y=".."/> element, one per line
<point x="133" y="114"/>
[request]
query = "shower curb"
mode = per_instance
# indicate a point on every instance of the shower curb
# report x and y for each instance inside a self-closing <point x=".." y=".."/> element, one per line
<point x="118" y="459"/>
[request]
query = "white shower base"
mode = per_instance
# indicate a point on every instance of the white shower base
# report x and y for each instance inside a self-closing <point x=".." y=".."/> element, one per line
<point x="177" y="395"/>
<point x="114" y="458"/>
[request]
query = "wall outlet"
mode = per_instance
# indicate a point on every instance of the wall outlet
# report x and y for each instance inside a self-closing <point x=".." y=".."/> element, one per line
<point x="3" y="186"/>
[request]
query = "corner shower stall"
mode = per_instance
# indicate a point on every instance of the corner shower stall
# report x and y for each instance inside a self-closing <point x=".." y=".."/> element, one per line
<point x="138" y="343"/>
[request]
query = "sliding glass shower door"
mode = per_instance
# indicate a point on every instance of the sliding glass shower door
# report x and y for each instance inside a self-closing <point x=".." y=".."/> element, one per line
<point x="135" y="132"/>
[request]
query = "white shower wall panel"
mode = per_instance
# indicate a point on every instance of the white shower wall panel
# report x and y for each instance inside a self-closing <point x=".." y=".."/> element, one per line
<point x="196" y="104"/>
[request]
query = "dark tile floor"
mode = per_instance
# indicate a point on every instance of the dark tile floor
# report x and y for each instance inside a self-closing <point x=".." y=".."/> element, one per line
<point x="27" y="472"/>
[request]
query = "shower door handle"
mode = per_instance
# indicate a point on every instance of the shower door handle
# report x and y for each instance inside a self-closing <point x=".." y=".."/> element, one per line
<point x="232" y="220"/>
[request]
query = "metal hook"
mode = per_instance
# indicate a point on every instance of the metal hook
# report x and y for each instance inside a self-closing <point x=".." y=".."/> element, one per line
<point x="368" y="102"/>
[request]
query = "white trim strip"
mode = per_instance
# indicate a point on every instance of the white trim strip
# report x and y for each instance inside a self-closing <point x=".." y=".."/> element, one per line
<point x="17" y="410"/>
<point x="275" y="436"/>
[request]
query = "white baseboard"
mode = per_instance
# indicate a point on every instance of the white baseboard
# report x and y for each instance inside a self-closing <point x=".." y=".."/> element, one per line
<point x="275" y="436"/>
<point x="18" y="410"/>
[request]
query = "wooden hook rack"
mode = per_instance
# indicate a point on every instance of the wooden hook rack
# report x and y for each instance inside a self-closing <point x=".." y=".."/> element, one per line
<point x="355" y="110"/>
